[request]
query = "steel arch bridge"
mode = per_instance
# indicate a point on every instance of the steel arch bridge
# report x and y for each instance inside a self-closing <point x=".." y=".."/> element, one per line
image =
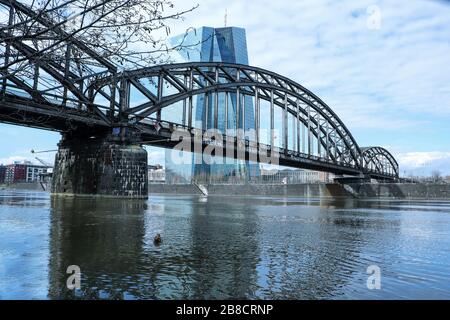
<point x="84" y="90"/>
<point x="312" y="135"/>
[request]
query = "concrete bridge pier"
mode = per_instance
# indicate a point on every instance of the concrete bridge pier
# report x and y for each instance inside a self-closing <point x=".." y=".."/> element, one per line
<point x="100" y="164"/>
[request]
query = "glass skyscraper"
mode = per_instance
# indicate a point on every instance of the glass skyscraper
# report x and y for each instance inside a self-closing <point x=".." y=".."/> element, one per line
<point x="208" y="44"/>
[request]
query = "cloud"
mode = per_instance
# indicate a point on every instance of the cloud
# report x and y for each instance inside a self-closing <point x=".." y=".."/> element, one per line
<point x="10" y="160"/>
<point x="424" y="163"/>
<point x="156" y="155"/>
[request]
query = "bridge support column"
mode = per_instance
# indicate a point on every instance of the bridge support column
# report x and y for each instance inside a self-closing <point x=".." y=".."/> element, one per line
<point x="103" y="165"/>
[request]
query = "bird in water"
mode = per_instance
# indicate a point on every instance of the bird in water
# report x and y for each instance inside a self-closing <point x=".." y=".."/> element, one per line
<point x="157" y="239"/>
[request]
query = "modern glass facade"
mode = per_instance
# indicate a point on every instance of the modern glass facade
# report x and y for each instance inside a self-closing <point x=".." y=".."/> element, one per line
<point x="208" y="44"/>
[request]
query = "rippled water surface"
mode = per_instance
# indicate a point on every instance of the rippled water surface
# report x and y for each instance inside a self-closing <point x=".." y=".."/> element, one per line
<point x="222" y="247"/>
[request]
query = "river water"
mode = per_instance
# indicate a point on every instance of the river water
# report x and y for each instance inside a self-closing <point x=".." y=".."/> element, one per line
<point x="223" y="247"/>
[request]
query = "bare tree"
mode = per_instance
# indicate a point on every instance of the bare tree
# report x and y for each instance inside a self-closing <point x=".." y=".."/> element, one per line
<point x="52" y="49"/>
<point x="128" y="33"/>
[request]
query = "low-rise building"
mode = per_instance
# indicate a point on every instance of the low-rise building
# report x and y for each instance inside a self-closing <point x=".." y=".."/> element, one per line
<point x="24" y="171"/>
<point x="156" y="174"/>
<point x="34" y="172"/>
<point x="288" y="176"/>
<point x="16" y="172"/>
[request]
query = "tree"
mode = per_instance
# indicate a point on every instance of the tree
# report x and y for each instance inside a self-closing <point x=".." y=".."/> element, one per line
<point x="130" y="33"/>
<point x="54" y="49"/>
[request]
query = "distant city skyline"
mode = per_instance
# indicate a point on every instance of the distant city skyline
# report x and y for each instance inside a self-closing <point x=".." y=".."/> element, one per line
<point x="389" y="85"/>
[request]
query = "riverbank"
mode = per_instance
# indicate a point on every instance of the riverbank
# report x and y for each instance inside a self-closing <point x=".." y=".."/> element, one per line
<point x="402" y="190"/>
<point x="365" y="190"/>
<point x="32" y="186"/>
<point x="333" y="190"/>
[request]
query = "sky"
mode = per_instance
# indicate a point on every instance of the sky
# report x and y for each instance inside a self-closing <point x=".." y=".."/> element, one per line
<point x="382" y="66"/>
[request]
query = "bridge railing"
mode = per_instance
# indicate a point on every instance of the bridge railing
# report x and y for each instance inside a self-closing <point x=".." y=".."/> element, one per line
<point x="282" y="153"/>
<point x="251" y="146"/>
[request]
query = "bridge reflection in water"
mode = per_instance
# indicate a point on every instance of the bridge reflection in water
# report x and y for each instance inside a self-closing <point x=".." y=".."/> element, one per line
<point x="211" y="249"/>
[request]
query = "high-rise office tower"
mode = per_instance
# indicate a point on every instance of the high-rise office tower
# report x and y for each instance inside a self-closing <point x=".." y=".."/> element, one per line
<point x="208" y="44"/>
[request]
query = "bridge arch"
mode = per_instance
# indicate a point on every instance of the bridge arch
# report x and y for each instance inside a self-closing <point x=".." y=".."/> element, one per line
<point x="379" y="161"/>
<point x="325" y="131"/>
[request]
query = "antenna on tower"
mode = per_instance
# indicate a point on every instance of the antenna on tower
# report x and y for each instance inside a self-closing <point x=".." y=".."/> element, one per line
<point x="226" y="14"/>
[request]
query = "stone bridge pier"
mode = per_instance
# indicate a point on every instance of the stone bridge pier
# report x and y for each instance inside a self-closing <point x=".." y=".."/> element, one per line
<point x="101" y="164"/>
